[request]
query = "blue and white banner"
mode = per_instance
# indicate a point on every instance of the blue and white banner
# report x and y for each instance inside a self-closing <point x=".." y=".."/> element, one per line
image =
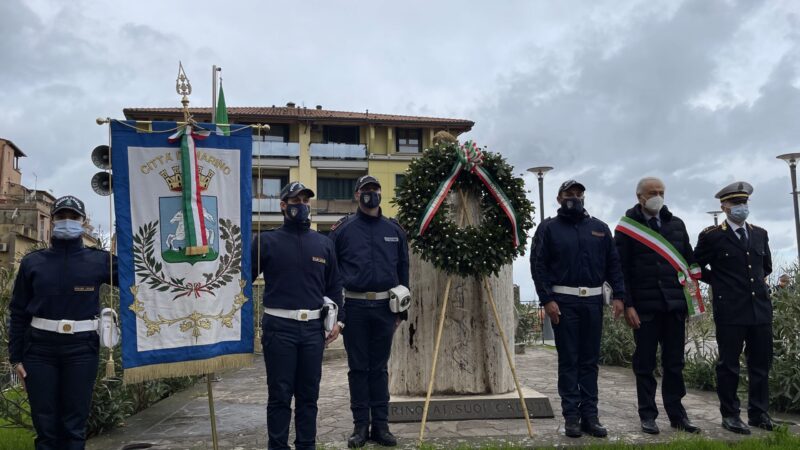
<point x="182" y="314"/>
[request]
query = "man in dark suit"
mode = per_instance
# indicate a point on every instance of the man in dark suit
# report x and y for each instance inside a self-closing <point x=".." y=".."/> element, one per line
<point x="736" y="259"/>
<point x="655" y="304"/>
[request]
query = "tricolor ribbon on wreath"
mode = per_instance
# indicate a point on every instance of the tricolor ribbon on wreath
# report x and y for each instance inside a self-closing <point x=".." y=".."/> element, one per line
<point x="470" y="158"/>
<point x="687" y="275"/>
<point x="192" y="201"/>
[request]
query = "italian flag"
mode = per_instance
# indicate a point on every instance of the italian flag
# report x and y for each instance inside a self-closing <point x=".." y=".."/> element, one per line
<point x="192" y="204"/>
<point x="687" y="275"/>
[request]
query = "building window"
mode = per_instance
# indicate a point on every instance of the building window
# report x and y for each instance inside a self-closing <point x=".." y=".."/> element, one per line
<point x="398" y="180"/>
<point x="269" y="186"/>
<point x="278" y="132"/>
<point x="409" y="140"/>
<point x="335" y="188"/>
<point x="340" y="135"/>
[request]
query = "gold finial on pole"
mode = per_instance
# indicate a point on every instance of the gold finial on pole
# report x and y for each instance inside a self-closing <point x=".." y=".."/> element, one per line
<point x="184" y="88"/>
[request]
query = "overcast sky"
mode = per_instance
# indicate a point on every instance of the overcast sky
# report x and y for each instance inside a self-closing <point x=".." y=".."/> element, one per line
<point x="698" y="92"/>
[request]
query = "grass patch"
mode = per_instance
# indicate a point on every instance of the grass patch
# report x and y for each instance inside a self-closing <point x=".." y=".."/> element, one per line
<point x="15" y="438"/>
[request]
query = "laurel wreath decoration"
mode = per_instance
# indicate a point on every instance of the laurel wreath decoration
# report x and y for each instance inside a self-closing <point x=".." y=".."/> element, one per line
<point x="151" y="272"/>
<point x="194" y="322"/>
<point x="480" y="249"/>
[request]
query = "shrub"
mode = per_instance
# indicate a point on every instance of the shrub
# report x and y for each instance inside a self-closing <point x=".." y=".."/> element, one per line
<point x="616" y="344"/>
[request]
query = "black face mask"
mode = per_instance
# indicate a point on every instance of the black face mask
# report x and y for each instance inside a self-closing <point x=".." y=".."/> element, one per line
<point x="298" y="212"/>
<point x="370" y="200"/>
<point x="572" y="206"/>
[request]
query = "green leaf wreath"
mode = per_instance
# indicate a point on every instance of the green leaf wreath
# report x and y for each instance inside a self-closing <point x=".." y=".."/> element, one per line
<point x="471" y="250"/>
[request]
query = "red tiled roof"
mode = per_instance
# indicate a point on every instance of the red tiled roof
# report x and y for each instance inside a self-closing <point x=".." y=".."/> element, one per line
<point x="255" y="114"/>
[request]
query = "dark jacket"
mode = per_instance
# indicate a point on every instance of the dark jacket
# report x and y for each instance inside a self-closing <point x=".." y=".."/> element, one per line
<point x="372" y="253"/>
<point x="299" y="267"/>
<point x="736" y="273"/>
<point x="651" y="283"/>
<point x="58" y="283"/>
<point x="575" y="253"/>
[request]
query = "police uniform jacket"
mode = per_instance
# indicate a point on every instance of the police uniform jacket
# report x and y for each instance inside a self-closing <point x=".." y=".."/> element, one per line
<point x="651" y="283"/>
<point x="372" y="252"/>
<point x="58" y="283"/>
<point x="736" y="273"/>
<point x="576" y="253"/>
<point x="299" y="267"/>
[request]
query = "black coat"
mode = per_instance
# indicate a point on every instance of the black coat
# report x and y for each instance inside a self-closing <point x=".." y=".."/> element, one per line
<point x="736" y="273"/>
<point x="651" y="283"/>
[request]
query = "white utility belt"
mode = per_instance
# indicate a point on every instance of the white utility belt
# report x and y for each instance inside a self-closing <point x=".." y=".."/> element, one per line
<point x="367" y="295"/>
<point x="65" y="326"/>
<point x="578" y="291"/>
<point x="301" y="315"/>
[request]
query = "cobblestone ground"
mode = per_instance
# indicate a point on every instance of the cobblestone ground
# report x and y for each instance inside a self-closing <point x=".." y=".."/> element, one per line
<point x="181" y="421"/>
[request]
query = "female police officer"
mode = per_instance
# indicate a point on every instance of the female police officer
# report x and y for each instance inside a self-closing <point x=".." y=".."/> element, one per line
<point x="53" y="341"/>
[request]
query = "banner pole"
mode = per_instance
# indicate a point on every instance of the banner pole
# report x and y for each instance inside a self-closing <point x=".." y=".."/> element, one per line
<point x="212" y="414"/>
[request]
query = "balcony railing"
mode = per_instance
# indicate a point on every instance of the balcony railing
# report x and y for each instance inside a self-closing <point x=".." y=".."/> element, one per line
<point x="338" y="206"/>
<point x="332" y="150"/>
<point x="266" y="205"/>
<point x="272" y="148"/>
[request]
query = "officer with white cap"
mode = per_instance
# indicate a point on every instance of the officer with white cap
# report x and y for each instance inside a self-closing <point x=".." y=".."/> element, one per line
<point x="736" y="260"/>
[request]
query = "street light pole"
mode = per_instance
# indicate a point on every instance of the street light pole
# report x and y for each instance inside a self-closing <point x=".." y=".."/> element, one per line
<point x="715" y="214"/>
<point x="547" y="328"/>
<point x="791" y="159"/>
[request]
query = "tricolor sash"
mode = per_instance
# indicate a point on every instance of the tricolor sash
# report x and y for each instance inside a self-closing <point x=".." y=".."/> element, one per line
<point x="687" y="275"/>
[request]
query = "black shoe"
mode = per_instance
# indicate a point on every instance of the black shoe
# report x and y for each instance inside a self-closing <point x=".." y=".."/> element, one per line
<point x="764" y="421"/>
<point x="593" y="427"/>
<point x="649" y="426"/>
<point x="683" y="424"/>
<point x="359" y="437"/>
<point x="572" y="428"/>
<point x="382" y="435"/>
<point x="735" y="424"/>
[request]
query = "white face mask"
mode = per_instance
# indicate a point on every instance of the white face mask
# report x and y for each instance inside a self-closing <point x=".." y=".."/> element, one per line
<point x="654" y="204"/>
<point x="67" y="229"/>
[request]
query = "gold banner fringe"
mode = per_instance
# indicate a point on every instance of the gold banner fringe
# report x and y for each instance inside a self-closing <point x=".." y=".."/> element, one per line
<point x="187" y="368"/>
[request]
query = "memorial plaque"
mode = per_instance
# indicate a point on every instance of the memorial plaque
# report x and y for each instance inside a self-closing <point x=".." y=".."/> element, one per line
<point x="470" y="407"/>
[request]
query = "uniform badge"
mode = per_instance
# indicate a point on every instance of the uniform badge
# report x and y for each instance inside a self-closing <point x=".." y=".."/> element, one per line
<point x="84" y="288"/>
<point x="391" y="239"/>
<point x="319" y="259"/>
<point x="598" y="234"/>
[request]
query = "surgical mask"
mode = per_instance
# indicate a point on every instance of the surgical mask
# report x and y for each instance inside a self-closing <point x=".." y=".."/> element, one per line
<point x="738" y="213"/>
<point x="572" y="206"/>
<point x="67" y="229"/>
<point x="299" y="212"/>
<point x="370" y="200"/>
<point x="654" y="204"/>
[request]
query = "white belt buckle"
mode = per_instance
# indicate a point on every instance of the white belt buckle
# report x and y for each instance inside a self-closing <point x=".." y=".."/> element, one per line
<point x="66" y="326"/>
<point x="302" y="314"/>
<point x="583" y="292"/>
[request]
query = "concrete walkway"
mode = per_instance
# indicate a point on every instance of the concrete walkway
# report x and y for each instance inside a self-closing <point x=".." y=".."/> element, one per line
<point x="181" y="421"/>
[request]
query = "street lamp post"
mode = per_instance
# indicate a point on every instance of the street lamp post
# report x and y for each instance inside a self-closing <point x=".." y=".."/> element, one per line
<point x="547" y="328"/>
<point x="791" y="159"/>
<point x="715" y="214"/>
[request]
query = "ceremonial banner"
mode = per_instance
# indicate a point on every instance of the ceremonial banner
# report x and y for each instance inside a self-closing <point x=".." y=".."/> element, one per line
<point x="183" y="312"/>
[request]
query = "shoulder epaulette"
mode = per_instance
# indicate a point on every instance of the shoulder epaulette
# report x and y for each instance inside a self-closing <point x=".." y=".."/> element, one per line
<point x="341" y="221"/>
<point x="711" y="228"/>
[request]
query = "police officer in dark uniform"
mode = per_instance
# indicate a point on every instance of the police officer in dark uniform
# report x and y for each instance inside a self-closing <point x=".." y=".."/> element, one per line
<point x="53" y="339"/>
<point x="300" y="270"/>
<point x="655" y="307"/>
<point x="372" y="252"/>
<point x="736" y="260"/>
<point x="572" y="256"/>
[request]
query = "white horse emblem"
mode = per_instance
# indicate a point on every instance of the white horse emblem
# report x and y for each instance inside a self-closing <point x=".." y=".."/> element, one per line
<point x="180" y="233"/>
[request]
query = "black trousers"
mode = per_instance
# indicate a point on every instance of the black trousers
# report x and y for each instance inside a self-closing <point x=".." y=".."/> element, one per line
<point x="61" y="372"/>
<point x="368" y="341"/>
<point x="667" y="329"/>
<point x="578" y="343"/>
<point x="757" y="340"/>
<point x="293" y="358"/>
